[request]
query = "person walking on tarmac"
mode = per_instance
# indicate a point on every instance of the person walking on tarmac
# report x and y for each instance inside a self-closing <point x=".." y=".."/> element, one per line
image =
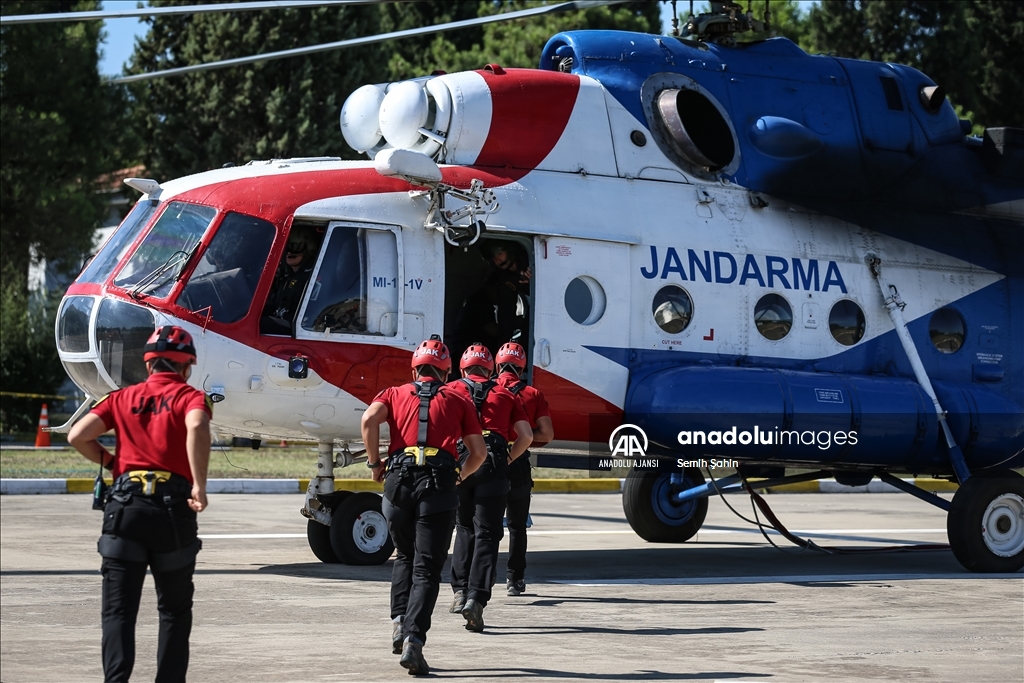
<point x="478" y="520"/>
<point x="426" y="419"/>
<point x="162" y="428"/>
<point x="511" y="360"/>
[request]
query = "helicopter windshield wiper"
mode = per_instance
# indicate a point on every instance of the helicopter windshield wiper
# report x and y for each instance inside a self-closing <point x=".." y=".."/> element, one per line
<point x="179" y="260"/>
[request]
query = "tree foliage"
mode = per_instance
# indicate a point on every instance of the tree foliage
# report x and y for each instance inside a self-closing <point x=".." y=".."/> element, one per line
<point x="516" y="43"/>
<point x="281" y="108"/>
<point x="58" y="131"/>
<point x="972" y="49"/>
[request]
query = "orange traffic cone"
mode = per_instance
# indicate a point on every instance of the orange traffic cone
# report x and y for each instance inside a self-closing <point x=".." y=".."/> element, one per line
<point x="284" y="444"/>
<point x="43" y="436"/>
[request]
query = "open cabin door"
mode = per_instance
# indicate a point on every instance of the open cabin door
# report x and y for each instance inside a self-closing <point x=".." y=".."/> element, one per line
<point x="581" y="322"/>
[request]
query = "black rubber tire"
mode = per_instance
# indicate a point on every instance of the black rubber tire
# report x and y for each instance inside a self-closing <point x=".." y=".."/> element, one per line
<point x="966" y="522"/>
<point x="356" y="529"/>
<point x="639" y="495"/>
<point x="319" y="535"/>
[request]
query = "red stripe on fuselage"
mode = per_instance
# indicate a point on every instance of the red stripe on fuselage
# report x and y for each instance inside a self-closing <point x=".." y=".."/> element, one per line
<point x="530" y="110"/>
<point x="589" y="419"/>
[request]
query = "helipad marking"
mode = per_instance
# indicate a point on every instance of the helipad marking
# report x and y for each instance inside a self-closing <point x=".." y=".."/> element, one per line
<point x="708" y="581"/>
<point x="232" y="536"/>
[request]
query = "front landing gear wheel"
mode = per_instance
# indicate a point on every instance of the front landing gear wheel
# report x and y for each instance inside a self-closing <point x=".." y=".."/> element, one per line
<point x="319" y="535"/>
<point x="985" y="524"/>
<point x="359" y="532"/>
<point x="651" y="509"/>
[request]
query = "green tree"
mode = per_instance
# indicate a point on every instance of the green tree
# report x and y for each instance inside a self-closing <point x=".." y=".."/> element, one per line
<point x="281" y="108"/>
<point x="515" y="43"/>
<point x="58" y="134"/>
<point x="972" y="49"/>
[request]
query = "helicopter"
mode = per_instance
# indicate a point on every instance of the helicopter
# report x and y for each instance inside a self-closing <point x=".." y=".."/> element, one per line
<point x="734" y="250"/>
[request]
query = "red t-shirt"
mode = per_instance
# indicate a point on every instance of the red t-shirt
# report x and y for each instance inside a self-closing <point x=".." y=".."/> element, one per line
<point x="533" y="401"/>
<point x="149" y="422"/>
<point x="451" y="416"/>
<point x="500" y="411"/>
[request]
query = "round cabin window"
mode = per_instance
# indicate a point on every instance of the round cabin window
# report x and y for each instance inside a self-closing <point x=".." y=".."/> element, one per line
<point x="773" y="317"/>
<point x="846" y="322"/>
<point x="672" y="309"/>
<point x="585" y="300"/>
<point x="947" y="330"/>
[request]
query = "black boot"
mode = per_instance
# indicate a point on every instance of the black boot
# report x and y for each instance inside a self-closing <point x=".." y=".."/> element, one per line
<point x="412" y="659"/>
<point x="474" y="615"/>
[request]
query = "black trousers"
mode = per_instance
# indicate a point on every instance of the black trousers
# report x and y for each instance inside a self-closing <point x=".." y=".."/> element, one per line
<point x="141" y="532"/>
<point x="478" y="531"/>
<point x="419" y="505"/>
<point x="517" y="510"/>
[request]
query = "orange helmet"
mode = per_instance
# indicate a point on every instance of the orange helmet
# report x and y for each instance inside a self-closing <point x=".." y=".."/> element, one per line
<point x="479" y="355"/>
<point x="432" y="352"/>
<point x="170" y="342"/>
<point x="511" y="352"/>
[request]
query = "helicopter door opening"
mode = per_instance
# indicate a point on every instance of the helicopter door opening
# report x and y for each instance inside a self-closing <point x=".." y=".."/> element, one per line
<point x="488" y="294"/>
<point x="354" y="288"/>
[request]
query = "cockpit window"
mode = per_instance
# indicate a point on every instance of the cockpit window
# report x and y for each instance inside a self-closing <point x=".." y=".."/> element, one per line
<point x="225" y="279"/>
<point x="355" y="289"/>
<point x="165" y="251"/>
<point x="103" y="264"/>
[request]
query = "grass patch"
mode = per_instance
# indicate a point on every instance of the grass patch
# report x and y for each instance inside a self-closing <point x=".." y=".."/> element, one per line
<point x="270" y="462"/>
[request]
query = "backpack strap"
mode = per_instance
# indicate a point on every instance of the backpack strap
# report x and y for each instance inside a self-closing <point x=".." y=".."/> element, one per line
<point x="518" y="386"/>
<point x="478" y="391"/>
<point x="426" y="392"/>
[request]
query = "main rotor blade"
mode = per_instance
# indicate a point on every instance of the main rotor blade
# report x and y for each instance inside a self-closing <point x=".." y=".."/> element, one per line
<point x="184" y="9"/>
<point x="408" y="33"/>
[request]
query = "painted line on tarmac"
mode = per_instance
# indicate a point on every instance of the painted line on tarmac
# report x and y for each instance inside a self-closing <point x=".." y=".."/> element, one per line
<point x="248" y="536"/>
<point x="600" y="532"/>
<point x="708" y="532"/>
<point x="809" y="578"/>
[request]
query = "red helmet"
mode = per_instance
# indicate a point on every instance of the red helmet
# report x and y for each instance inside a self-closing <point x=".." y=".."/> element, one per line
<point x="432" y="352"/>
<point x="513" y="353"/>
<point x="170" y="342"/>
<point x="479" y="355"/>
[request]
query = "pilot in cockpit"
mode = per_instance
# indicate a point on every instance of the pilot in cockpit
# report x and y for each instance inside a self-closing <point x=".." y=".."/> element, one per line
<point x="289" y="283"/>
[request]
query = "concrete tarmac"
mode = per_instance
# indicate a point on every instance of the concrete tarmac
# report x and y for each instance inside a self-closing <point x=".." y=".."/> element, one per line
<point x="601" y="603"/>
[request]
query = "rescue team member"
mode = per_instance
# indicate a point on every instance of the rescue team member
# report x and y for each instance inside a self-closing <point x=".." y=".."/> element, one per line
<point x="511" y="361"/>
<point x="426" y="419"/>
<point x="478" y="521"/>
<point x="163" y="450"/>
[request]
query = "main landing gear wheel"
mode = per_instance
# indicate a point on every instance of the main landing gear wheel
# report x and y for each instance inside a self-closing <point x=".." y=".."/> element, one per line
<point x="985" y="523"/>
<point x="359" y="532"/>
<point x="651" y="509"/>
<point x="319" y="535"/>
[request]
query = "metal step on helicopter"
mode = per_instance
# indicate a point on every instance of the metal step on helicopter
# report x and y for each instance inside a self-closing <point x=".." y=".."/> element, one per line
<point x="735" y="250"/>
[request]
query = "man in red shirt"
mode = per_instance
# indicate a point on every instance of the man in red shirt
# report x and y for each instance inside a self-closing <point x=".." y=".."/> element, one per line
<point x="426" y="420"/>
<point x="163" y="450"/>
<point x="478" y="527"/>
<point x="511" y="361"/>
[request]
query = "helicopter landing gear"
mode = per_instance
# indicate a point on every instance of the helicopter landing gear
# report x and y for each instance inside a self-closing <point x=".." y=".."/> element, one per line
<point x="649" y="501"/>
<point x="985" y="524"/>
<point x="319" y="535"/>
<point x="359" y="532"/>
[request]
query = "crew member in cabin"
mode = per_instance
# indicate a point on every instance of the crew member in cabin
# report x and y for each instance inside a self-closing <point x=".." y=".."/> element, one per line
<point x="289" y="283"/>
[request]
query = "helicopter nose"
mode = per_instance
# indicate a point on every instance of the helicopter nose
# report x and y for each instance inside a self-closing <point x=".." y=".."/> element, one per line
<point x="101" y="340"/>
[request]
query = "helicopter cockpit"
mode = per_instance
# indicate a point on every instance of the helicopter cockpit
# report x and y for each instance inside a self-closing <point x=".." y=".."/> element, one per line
<point x="193" y="257"/>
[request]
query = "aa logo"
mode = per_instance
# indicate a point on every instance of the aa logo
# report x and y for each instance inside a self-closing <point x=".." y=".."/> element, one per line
<point x="628" y="441"/>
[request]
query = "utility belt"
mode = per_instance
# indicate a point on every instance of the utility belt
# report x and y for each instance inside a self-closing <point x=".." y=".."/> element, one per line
<point x="433" y="458"/>
<point x="151" y="483"/>
<point x="496" y="462"/>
